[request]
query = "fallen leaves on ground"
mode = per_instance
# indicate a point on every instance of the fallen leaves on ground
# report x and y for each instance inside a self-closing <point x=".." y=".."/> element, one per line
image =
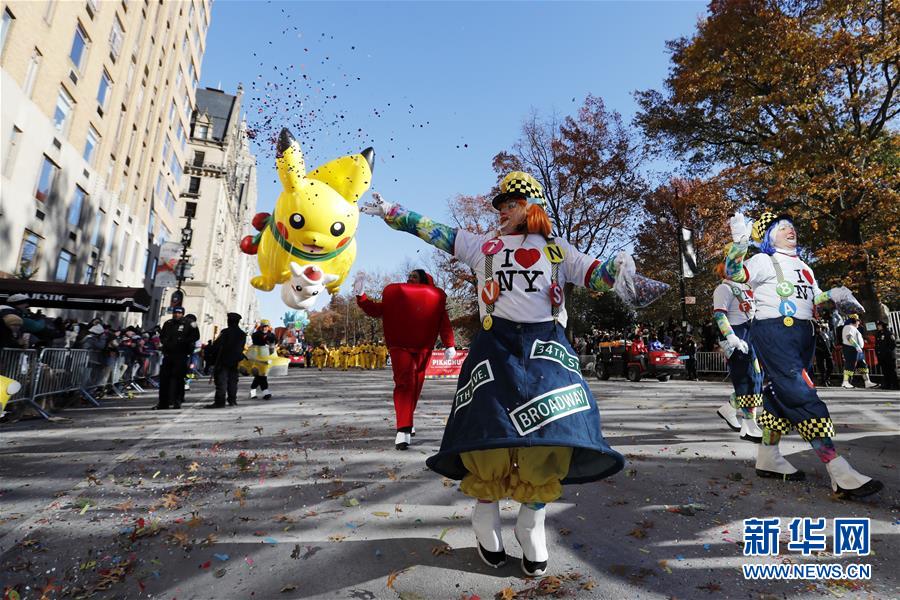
<point x="440" y="550"/>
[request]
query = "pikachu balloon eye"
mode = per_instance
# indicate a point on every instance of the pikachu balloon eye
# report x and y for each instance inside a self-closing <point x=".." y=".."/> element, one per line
<point x="297" y="221"/>
<point x="337" y="229"/>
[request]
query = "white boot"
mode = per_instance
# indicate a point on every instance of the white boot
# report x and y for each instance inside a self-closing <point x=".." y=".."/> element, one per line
<point x="729" y="414"/>
<point x="252" y="393"/>
<point x="847" y="482"/>
<point x="846" y="383"/>
<point x="770" y="463"/>
<point x="402" y="440"/>
<point x="868" y="382"/>
<point x="486" y="524"/>
<point x="750" y="431"/>
<point x="413" y="432"/>
<point x="531" y="537"/>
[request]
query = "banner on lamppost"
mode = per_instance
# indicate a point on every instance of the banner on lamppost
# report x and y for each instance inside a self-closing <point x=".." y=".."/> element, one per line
<point x="169" y="255"/>
<point x="689" y="255"/>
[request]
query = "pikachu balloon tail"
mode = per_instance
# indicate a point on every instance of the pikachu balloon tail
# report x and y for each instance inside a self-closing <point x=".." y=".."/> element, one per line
<point x="8" y="388"/>
<point x="315" y="217"/>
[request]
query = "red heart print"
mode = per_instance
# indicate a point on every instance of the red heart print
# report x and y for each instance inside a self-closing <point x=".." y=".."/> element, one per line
<point x="808" y="276"/>
<point x="527" y="257"/>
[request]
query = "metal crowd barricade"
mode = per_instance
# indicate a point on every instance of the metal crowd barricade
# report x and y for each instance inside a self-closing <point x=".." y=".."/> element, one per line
<point x="19" y="365"/>
<point x="61" y="371"/>
<point x="711" y="362"/>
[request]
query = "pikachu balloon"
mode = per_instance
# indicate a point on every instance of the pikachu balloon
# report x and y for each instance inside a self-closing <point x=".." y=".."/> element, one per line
<point x="315" y="217"/>
<point x="8" y="388"/>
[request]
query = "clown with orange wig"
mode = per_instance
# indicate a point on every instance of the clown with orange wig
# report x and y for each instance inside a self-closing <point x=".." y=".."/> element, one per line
<point x="523" y="421"/>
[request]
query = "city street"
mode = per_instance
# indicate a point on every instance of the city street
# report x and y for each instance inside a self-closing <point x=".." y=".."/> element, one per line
<point x="304" y="496"/>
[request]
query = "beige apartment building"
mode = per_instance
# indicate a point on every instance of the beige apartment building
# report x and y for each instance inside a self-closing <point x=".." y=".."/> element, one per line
<point x="220" y="191"/>
<point x="97" y="102"/>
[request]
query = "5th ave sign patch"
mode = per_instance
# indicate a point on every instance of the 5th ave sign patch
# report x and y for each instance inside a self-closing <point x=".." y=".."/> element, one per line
<point x="549" y="407"/>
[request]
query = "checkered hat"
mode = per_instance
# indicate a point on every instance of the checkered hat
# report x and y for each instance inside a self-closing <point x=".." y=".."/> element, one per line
<point x="763" y="223"/>
<point x="520" y="184"/>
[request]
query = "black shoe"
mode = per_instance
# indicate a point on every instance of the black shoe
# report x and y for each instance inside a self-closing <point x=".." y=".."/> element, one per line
<point x="401" y="446"/>
<point x="232" y="403"/>
<point x="267" y="397"/>
<point x="870" y="487"/>
<point x="798" y="476"/>
<point x="533" y="569"/>
<point x="158" y="407"/>
<point x="492" y="559"/>
<point x="751" y="438"/>
<point x="214" y="406"/>
<point x="176" y="407"/>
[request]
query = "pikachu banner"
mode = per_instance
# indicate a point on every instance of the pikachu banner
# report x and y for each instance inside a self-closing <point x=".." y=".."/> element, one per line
<point x="308" y="244"/>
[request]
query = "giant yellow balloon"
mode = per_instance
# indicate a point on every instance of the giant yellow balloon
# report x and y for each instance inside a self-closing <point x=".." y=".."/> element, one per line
<point x="315" y="217"/>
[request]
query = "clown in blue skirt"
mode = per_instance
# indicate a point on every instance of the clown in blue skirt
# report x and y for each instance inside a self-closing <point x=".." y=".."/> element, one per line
<point x="852" y="344"/>
<point x="523" y="422"/>
<point x="733" y="309"/>
<point x="782" y="333"/>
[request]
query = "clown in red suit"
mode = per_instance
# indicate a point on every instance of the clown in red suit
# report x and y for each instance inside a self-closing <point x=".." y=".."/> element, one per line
<point x="414" y="313"/>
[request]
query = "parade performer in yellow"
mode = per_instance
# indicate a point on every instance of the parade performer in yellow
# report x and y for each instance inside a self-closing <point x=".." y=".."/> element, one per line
<point x="8" y="389"/>
<point x="782" y="333"/>
<point x="315" y="217"/>
<point x="523" y="421"/>
<point x="381" y="354"/>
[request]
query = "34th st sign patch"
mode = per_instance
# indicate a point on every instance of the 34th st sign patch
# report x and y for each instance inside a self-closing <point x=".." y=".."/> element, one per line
<point x="556" y="352"/>
<point x="481" y="375"/>
<point x="549" y="407"/>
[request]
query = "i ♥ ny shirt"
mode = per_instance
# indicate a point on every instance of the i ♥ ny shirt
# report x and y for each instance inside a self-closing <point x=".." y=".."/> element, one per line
<point x="732" y="298"/>
<point x="523" y="272"/>
<point x="762" y="278"/>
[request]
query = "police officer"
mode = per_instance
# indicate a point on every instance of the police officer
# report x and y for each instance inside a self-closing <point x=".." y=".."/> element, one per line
<point x="177" y="339"/>
<point x="225" y="354"/>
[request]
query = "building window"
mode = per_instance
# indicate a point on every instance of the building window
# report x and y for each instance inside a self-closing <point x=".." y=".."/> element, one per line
<point x="199" y="157"/>
<point x="170" y="201"/>
<point x="46" y="180"/>
<point x="29" y="253"/>
<point x="201" y="132"/>
<point x="76" y="206"/>
<point x="12" y="149"/>
<point x="63" y="265"/>
<point x="64" y="103"/>
<point x="98" y="224"/>
<point x="134" y="254"/>
<point x="103" y="90"/>
<point x="92" y="6"/>
<point x="194" y="185"/>
<point x="177" y="172"/>
<point x="8" y="19"/>
<point x="114" y="229"/>
<point x="90" y="145"/>
<point x="88" y="275"/>
<point x="31" y="74"/>
<point x="165" y="151"/>
<point x="79" y="44"/>
<point x="116" y="37"/>
<point x="49" y="10"/>
<point x="123" y="250"/>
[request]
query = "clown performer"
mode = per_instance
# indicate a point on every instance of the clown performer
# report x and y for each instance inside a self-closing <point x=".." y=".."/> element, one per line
<point x="414" y="313"/>
<point x="262" y="346"/>
<point x="733" y="309"/>
<point x="782" y="334"/>
<point x="854" y="359"/>
<point x="523" y="421"/>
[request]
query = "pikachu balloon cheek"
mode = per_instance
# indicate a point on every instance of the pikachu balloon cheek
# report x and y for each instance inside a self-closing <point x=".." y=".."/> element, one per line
<point x="315" y="217"/>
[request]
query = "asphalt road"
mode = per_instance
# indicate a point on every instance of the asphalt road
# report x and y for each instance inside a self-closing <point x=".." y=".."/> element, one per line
<point x="304" y="496"/>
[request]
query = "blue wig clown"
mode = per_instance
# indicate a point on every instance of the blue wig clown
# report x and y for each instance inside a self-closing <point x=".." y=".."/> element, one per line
<point x="764" y="229"/>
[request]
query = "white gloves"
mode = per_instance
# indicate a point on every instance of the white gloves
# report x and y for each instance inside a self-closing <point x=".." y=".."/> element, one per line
<point x="845" y="301"/>
<point x="736" y="343"/>
<point x="377" y="208"/>
<point x="359" y="283"/>
<point x="740" y="228"/>
<point x="449" y="353"/>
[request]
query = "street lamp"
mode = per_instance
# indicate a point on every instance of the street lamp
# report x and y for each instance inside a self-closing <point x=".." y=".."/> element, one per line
<point x="187" y="235"/>
<point x="679" y="240"/>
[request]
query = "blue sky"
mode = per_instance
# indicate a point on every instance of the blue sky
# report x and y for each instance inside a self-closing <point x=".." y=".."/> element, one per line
<point x="436" y="88"/>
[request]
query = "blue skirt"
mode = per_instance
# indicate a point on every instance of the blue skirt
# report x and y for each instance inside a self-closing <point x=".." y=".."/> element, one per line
<point x="521" y="386"/>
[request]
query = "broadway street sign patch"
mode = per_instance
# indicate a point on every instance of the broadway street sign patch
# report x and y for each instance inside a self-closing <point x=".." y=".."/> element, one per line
<point x="549" y="407"/>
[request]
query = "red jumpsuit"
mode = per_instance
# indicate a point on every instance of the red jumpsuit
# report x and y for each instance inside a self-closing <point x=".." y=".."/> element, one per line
<point x="413" y="315"/>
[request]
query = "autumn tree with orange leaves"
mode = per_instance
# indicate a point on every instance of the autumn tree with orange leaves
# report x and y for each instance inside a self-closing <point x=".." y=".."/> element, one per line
<point x="795" y="101"/>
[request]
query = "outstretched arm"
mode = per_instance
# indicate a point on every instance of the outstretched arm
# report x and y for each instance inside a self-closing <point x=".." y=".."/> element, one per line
<point x="446" y="330"/>
<point x="437" y="234"/>
<point x="734" y="262"/>
<point x="732" y="341"/>
<point x="370" y="307"/>
<point x="620" y="275"/>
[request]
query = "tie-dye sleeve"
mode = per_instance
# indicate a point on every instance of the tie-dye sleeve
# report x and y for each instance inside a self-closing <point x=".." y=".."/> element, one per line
<point x="437" y="234"/>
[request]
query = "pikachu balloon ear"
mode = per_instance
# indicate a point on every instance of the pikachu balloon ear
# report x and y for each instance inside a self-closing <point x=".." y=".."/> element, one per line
<point x="349" y="176"/>
<point x="8" y="388"/>
<point x="289" y="161"/>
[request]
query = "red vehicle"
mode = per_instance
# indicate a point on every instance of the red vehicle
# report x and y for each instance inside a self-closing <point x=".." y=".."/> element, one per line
<point x="633" y="361"/>
<point x="298" y="359"/>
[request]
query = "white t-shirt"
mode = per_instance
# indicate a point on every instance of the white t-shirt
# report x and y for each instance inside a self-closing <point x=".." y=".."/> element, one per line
<point x="851" y="334"/>
<point x="727" y="298"/>
<point x="523" y="271"/>
<point x="762" y="278"/>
